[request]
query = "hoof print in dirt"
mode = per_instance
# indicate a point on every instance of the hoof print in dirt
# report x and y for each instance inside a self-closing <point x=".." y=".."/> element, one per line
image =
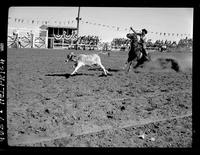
<point x="122" y="108"/>
<point x="109" y="116"/>
<point x="47" y="111"/>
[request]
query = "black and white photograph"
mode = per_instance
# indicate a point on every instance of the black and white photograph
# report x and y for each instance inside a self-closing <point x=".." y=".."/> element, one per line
<point x="100" y="77"/>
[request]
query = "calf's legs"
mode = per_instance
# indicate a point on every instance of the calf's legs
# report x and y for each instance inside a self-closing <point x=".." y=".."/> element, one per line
<point x="81" y="64"/>
<point x="104" y="70"/>
<point x="77" y="67"/>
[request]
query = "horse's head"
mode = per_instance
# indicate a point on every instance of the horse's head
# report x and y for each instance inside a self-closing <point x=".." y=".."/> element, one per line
<point x="132" y="36"/>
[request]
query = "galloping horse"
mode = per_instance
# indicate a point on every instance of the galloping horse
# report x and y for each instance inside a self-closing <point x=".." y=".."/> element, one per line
<point x="135" y="52"/>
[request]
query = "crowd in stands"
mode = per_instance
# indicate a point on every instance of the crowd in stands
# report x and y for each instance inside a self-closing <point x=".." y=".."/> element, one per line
<point x="119" y="42"/>
<point x="88" y="40"/>
<point x="122" y="42"/>
<point x="185" y="42"/>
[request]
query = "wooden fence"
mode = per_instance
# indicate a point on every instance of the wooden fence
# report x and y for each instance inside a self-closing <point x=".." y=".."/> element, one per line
<point x="25" y="38"/>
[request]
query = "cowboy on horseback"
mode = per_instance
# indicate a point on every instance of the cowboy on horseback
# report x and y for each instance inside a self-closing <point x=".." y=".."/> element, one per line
<point x="137" y="47"/>
<point x="141" y="41"/>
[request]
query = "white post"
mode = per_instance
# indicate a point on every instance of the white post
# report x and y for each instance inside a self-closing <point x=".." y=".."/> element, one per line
<point x="33" y="39"/>
<point x="53" y="42"/>
<point x="46" y="40"/>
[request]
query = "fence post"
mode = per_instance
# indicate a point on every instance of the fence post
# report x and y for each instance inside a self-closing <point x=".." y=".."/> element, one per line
<point x="46" y="40"/>
<point x="53" y="42"/>
<point x="32" y="40"/>
<point x="62" y="42"/>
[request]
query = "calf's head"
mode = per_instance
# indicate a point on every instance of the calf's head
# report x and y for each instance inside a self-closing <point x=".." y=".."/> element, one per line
<point x="70" y="57"/>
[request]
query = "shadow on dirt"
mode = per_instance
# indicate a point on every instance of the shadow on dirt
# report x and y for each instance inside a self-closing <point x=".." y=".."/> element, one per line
<point x="99" y="69"/>
<point x="103" y="75"/>
<point x="113" y="70"/>
<point x="69" y="75"/>
<point x="57" y="75"/>
<point x="94" y="69"/>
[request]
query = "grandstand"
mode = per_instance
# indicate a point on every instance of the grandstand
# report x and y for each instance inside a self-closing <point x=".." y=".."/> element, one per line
<point x="60" y="36"/>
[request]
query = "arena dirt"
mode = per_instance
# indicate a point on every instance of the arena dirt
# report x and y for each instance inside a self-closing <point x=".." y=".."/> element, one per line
<point x="47" y="107"/>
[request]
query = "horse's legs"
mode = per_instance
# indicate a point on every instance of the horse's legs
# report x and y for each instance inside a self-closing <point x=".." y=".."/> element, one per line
<point x="128" y="67"/>
<point x="137" y="64"/>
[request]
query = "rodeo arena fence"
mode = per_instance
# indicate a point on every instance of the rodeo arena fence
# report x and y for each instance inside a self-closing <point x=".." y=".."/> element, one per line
<point x="26" y="38"/>
<point x="52" y="38"/>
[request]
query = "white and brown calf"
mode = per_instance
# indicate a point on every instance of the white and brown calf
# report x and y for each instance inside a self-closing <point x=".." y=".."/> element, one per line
<point x="85" y="60"/>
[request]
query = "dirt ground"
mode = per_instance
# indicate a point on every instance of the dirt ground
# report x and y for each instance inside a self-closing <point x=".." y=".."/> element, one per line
<point x="151" y="107"/>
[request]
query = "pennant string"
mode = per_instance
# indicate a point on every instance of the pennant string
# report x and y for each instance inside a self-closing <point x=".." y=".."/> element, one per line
<point x="117" y="28"/>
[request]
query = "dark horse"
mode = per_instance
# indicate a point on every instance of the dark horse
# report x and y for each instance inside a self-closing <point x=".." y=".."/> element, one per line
<point x="135" y="53"/>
